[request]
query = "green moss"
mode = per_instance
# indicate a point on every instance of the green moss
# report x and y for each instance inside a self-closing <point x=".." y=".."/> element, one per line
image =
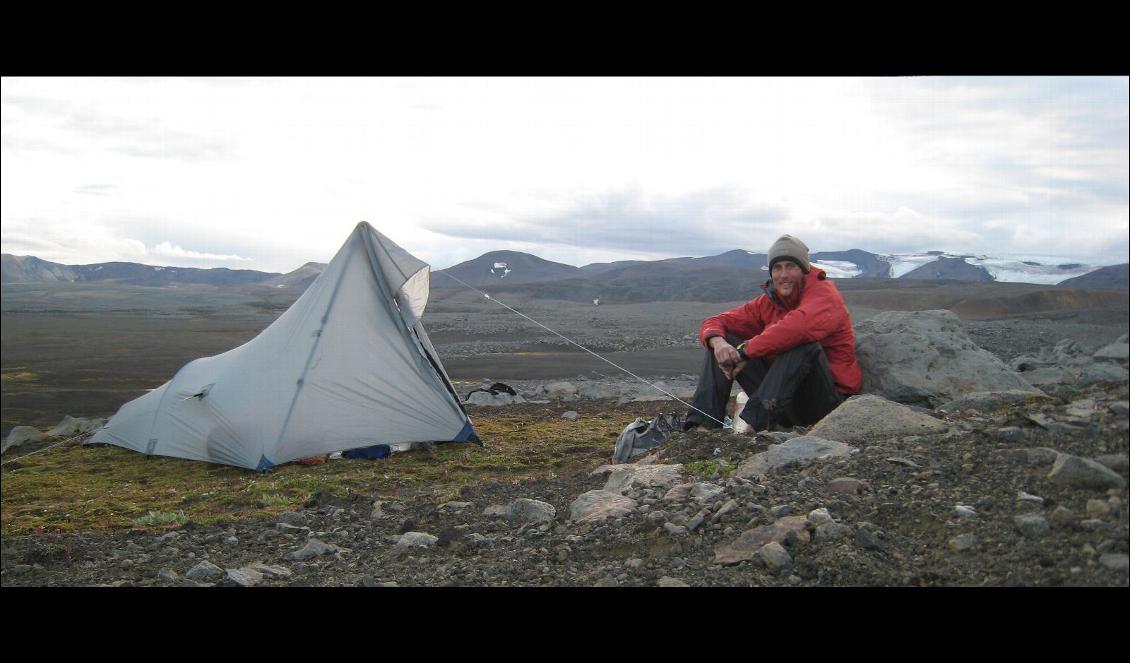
<point x="76" y="488"/>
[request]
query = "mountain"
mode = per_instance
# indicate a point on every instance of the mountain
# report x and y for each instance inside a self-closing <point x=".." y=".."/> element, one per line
<point x="29" y="269"/>
<point x="491" y="269"/>
<point x="299" y="279"/>
<point x="1114" y="277"/>
<point x="956" y="269"/>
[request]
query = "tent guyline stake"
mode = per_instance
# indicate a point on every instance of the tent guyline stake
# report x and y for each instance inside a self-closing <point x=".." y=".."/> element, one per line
<point x="608" y="361"/>
<point x="44" y="449"/>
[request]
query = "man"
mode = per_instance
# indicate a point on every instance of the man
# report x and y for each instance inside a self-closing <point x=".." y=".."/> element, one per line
<point x="792" y="349"/>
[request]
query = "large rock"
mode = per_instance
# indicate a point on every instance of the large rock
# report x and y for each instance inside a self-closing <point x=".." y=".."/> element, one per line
<point x="992" y="400"/>
<point x="926" y="357"/>
<point x="22" y="435"/>
<point x="1117" y="351"/>
<point x="1079" y="472"/>
<point x="747" y="546"/>
<point x="74" y="426"/>
<point x="487" y="398"/>
<point x="526" y="510"/>
<point x="799" y="451"/>
<point x="861" y="418"/>
<point x="560" y="390"/>
<point x="622" y="478"/>
<point x="600" y="505"/>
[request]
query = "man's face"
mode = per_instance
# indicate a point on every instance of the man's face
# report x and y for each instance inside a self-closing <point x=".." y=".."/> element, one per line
<point x="786" y="275"/>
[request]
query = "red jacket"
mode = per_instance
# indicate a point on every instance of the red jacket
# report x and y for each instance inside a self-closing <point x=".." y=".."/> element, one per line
<point x="773" y="326"/>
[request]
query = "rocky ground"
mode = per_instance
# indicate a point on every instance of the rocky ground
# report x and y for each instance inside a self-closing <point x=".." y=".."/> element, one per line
<point x="999" y="489"/>
<point x="988" y="490"/>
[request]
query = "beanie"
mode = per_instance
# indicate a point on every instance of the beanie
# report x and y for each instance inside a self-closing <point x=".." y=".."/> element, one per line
<point x="789" y="248"/>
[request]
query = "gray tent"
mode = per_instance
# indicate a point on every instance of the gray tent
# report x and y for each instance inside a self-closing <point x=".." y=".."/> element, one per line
<point x="348" y="365"/>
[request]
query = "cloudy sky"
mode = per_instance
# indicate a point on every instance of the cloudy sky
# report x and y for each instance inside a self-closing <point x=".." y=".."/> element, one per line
<point x="271" y="173"/>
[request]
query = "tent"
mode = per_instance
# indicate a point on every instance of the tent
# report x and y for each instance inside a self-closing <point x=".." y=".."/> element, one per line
<point x="348" y="365"/>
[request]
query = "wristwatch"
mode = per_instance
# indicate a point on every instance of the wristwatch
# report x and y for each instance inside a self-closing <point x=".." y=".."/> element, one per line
<point x="741" y="351"/>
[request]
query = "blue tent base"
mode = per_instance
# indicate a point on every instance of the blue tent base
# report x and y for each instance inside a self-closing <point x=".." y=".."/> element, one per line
<point x="382" y="451"/>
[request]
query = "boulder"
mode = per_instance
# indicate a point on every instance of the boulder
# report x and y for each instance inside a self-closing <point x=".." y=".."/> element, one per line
<point x="865" y="417"/>
<point x="560" y="390"/>
<point x="598" y="505"/>
<point x="487" y="398"/>
<point x="1079" y="472"/>
<point x="926" y="357"/>
<point x="799" y="451"/>
<point x="525" y="510"/>
<point x="622" y="478"/>
<point x="313" y="548"/>
<point x="73" y="426"/>
<point x="204" y="571"/>
<point x="992" y="400"/>
<point x="22" y="435"/>
<point x="417" y="540"/>
<point x="750" y="542"/>
<point x="1116" y="351"/>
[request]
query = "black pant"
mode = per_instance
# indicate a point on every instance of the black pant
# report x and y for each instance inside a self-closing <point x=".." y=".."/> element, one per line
<point x="796" y="389"/>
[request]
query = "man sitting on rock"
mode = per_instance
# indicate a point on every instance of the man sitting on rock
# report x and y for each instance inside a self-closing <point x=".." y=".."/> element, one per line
<point x="792" y="349"/>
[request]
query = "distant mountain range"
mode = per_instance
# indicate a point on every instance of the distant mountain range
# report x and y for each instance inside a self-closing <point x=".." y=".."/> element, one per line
<point x="29" y="269"/>
<point x="725" y="277"/>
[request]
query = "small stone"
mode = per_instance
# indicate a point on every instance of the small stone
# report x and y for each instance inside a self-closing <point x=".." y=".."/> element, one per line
<point x="1010" y="434"/>
<point x="674" y="530"/>
<point x="782" y="510"/>
<point x="964" y="512"/>
<point x="286" y="528"/>
<point x="905" y="462"/>
<point x="167" y="575"/>
<point x="571" y="415"/>
<point x="1098" y="508"/>
<point x="729" y="506"/>
<point x="703" y="492"/>
<point x="697" y="520"/>
<point x="634" y="563"/>
<point x="1061" y="516"/>
<point x="667" y="581"/>
<point x="775" y="557"/>
<point x="245" y="577"/>
<point x="295" y="518"/>
<point x="1092" y="524"/>
<point x="962" y="542"/>
<point x="832" y="531"/>
<point x="1031" y="525"/>
<point x="314" y="548"/>
<point x="495" y="511"/>
<point x="1116" y="561"/>
<point x="819" y="516"/>
<point x="1029" y="502"/>
<point x="607" y="581"/>
<point x="866" y="539"/>
<point x="847" y="486"/>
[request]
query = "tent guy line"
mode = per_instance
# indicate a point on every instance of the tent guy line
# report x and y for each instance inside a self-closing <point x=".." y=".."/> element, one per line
<point x="569" y="340"/>
<point x="50" y="446"/>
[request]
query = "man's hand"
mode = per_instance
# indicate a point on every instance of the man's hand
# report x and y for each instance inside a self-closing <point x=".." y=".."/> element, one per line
<point x="727" y="357"/>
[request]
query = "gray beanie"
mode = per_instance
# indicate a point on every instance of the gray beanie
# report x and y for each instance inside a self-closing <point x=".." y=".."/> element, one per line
<point x="789" y="248"/>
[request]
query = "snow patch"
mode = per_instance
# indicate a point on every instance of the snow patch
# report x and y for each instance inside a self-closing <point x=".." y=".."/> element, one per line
<point x="839" y="269"/>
